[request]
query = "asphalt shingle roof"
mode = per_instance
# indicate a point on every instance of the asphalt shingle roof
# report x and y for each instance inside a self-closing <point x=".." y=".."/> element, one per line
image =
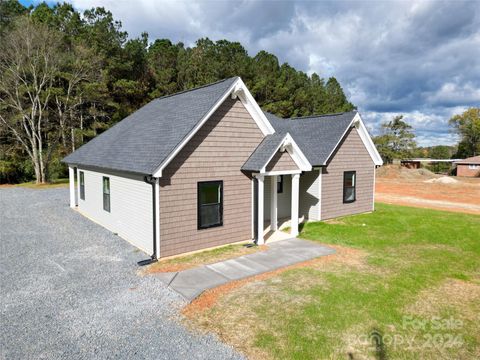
<point x="263" y="152"/>
<point x="142" y="141"/>
<point x="317" y="136"/>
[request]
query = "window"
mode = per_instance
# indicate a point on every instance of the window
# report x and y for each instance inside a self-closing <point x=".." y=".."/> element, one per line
<point x="473" y="166"/>
<point x="106" y="193"/>
<point x="82" y="185"/>
<point x="349" y="183"/>
<point x="210" y="204"/>
<point x="279" y="184"/>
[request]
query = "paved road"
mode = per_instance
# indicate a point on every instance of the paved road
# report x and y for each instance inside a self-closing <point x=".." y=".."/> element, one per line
<point x="69" y="289"/>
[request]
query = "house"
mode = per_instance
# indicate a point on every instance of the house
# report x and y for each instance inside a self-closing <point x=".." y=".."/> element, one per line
<point x="468" y="167"/>
<point x="207" y="167"/>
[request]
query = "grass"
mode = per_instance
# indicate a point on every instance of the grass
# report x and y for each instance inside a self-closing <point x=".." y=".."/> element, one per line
<point x="405" y="283"/>
<point x="32" y="185"/>
<point x="201" y="258"/>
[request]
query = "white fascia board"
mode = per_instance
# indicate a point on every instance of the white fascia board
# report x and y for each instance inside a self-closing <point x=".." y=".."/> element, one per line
<point x="239" y="89"/>
<point x="262" y="170"/>
<point x="297" y="155"/>
<point x="295" y="152"/>
<point x="281" y="172"/>
<point x="366" y="139"/>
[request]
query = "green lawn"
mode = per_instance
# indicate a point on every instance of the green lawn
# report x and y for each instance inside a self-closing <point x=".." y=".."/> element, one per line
<point x="404" y="284"/>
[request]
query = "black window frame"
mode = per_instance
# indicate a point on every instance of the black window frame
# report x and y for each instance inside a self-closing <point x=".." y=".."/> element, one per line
<point x="81" y="181"/>
<point x="354" y="187"/>
<point x="280" y="184"/>
<point x="199" y="205"/>
<point x="106" y="204"/>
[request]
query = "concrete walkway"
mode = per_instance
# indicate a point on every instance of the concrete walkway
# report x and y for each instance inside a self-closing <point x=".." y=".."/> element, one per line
<point x="191" y="283"/>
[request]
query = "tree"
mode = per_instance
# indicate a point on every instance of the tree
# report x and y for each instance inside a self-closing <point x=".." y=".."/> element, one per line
<point x="85" y="74"/>
<point x="397" y="140"/>
<point x="9" y="11"/>
<point x="336" y="99"/>
<point x="162" y="61"/>
<point x="467" y="126"/>
<point x="440" y="152"/>
<point x="39" y="89"/>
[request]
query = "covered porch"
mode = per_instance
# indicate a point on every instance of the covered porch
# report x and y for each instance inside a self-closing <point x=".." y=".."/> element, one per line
<point x="277" y="161"/>
<point x="269" y="221"/>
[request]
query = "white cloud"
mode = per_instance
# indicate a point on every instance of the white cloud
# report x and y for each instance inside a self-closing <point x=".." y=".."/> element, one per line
<point x="417" y="58"/>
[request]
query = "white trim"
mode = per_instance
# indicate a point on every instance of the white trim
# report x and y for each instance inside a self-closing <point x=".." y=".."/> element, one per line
<point x="241" y="91"/>
<point x="289" y="145"/>
<point x="78" y="186"/>
<point x="273" y="203"/>
<point x="320" y="193"/>
<point x="71" y="180"/>
<point x="253" y="208"/>
<point x="157" y="217"/>
<point x="261" y="187"/>
<point x="366" y="139"/>
<point x="279" y="172"/>
<point x="295" y="204"/>
<point x="237" y="89"/>
<point x="374" y="175"/>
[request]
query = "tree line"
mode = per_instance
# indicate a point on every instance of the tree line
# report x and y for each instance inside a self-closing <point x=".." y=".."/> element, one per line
<point x="67" y="76"/>
<point x="397" y="140"/>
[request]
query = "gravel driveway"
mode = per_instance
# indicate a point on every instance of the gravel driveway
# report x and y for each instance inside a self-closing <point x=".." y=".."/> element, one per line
<point x="70" y="289"/>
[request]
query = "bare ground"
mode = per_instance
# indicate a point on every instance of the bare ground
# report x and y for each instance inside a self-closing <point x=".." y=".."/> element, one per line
<point x="421" y="188"/>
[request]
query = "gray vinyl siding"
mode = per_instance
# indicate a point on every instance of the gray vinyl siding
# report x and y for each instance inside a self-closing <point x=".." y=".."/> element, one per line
<point x="309" y="203"/>
<point x="351" y="155"/>
<point x="130" y="213"/>
<point x="284" y="199"/>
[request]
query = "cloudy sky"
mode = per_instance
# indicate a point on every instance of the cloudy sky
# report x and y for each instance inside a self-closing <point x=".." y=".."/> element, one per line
<point x="419" y="58"/>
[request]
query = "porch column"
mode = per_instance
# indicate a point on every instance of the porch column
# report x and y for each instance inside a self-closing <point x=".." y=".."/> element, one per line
<point x="294" y="210"/>
<point x="273" y="203"/>
<point x="71" y="179"/>
<point x="260" y="240"/>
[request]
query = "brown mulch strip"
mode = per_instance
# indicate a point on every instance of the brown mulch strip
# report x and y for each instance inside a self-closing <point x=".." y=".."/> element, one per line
<point x="171" y="265"/>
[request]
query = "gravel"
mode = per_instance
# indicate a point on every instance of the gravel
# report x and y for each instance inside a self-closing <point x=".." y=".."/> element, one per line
<point x="71" y="289"/>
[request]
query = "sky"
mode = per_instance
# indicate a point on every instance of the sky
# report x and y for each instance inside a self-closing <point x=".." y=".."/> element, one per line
<point x="420" y="59"/>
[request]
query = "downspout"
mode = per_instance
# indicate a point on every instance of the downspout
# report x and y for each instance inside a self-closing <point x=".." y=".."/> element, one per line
<point x="149" y="179"/>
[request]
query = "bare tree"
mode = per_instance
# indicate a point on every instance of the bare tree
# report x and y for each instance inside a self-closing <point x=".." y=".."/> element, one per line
<point x="40" y="87"/>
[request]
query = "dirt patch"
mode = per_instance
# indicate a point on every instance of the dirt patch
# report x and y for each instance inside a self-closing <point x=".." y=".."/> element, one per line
<point x="428" y="204"/>
<point x="442" y="180"/>
<point x="400" y="172"/>
<point x="421" y="188"/>
<point x="462" y="295"/>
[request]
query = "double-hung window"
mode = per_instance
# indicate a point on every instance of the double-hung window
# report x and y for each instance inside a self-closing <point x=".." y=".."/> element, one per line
<point x="82" y="185"/>
<point x="106" y="193"/>
<point x="349" y="184"/>
<point x="210" y="204"/>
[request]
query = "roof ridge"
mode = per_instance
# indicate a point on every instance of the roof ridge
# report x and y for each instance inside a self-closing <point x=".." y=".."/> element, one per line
<point x="195" y="88"/>
<point x="317" y="116"/>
